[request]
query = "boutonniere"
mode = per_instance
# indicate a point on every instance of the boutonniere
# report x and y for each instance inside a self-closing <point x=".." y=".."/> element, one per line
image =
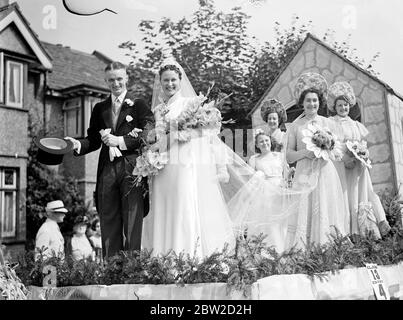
<point x="129" y="118"/>
<point x="129" y="102"/>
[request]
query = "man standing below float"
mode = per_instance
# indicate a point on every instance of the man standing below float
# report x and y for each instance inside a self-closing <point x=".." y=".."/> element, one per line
<point x="120" y="204"/>
<point x="49" y="241"/>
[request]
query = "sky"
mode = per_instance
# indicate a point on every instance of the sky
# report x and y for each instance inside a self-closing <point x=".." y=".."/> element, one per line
<point x="374" y="25"/>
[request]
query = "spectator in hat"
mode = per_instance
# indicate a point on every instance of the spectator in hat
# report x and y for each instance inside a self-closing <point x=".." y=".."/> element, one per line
<point x="80" y="245"/>
<point x="49" y="240"/>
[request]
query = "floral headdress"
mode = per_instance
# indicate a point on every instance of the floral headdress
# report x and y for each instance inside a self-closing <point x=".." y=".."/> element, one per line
<point x="170" y="61"/>
<point x="340" y="89"/>
<point x="272" y="105"/>
<point x="310" y="80"/>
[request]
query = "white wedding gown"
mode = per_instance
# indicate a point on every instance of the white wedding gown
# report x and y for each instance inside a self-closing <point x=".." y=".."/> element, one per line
<point x="187" y="212"/>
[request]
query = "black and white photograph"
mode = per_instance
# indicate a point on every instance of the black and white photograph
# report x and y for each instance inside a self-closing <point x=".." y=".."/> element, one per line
<point x="205" y="152"/>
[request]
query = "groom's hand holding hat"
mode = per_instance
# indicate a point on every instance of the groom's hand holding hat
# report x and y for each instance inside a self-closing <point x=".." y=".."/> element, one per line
<point x="76" y="144"/>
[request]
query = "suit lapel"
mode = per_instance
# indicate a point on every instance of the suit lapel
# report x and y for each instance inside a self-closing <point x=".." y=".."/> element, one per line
<point x="107" y="113"/>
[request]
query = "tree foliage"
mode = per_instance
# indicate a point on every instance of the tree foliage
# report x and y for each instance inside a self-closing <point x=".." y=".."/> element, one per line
<point x="212" y="47"/>
<point x="215" y="47"/>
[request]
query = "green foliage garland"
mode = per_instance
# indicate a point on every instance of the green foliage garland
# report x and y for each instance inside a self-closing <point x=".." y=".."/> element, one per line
<point x="252" y="260"/>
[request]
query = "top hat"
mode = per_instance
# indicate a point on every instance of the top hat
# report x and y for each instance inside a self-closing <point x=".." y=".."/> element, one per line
<point x="51" y="150"/>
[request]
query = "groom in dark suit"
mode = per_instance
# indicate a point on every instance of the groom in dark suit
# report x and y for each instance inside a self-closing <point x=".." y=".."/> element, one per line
<point x="120" y="205"/>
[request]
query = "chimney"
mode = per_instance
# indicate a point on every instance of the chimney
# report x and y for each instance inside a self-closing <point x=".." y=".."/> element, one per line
<point x="4" y="3"/>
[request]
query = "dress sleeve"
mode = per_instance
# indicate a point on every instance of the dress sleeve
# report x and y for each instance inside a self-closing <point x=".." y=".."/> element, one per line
<point x="159" y="121"/>
<point x="252" y="161"/>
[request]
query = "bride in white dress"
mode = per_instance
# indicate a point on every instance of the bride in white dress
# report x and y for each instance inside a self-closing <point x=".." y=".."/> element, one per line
<point x="188" y="212"/>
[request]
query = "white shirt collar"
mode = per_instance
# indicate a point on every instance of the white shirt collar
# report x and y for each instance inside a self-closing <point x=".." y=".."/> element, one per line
<point x="120" y="97"/>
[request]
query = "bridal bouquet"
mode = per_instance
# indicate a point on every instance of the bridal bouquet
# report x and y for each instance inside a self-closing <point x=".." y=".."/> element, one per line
<point x="197" y="115"/>
<point x="152" y="159"/>
<point x="322" y="142"/>
<point x="148" y="164"/>
<point x="360" y="151"/>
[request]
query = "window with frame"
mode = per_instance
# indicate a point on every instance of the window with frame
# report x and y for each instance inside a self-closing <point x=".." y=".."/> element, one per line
<point x="8" y="202"/>
<point x="12" y="82"/>
<point x="72" y="117"/>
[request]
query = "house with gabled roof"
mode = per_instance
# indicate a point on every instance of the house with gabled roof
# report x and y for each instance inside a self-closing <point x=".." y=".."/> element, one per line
<point x="24" y="62"/>
<point x="53" y="85"/>
<point x="379" y="107"/>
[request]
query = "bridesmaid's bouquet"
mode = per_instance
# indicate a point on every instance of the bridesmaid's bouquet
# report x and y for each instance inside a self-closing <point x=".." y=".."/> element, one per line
<point x="359" y="150"/>
<point x="322" y="142"/>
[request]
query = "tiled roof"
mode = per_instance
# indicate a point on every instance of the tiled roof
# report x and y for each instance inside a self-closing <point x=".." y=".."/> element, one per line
<point x="74" y="68"/>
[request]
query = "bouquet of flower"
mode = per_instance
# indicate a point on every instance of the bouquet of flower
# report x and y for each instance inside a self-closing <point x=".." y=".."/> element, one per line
<point x="360" y="151"/>
<point x="197" y="115"/>
<point x="322" y="142"/>
<point x="148" y="164"/>
<point x="152" y="158"/>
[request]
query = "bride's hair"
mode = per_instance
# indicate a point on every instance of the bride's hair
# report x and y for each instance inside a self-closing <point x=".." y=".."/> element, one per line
<point x="171" y="67"/>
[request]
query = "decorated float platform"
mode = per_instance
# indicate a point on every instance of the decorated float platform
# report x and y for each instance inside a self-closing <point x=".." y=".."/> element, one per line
<point x="346" y="284"/>
<point x="341" y="269"/>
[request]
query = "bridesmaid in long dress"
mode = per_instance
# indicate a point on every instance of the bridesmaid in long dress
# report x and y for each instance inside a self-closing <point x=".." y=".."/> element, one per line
<point x="367" y="213"/>
<point x="326" y="207"/>
<point x="270" y="164"/>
